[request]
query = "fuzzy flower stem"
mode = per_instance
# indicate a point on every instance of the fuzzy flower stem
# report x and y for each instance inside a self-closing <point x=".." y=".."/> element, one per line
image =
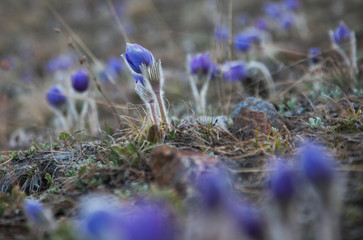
<point x="266" y="73"/>
<point x="340" y="51"/>
<point x="194" y="88"/>
<point x="93" y="120"/>
<point x="62" y="119"/>
<point x="162" y="108"/>
<point x="203" y="93"/>
<point x="83" y="114"/>
<point x="353" y="53"/>
<point x="153" y="113"/>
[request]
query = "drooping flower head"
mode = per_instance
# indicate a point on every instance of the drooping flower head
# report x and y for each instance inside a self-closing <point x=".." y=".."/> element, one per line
<point x="234" y="71"/>
<point x="55" y="97"/>
<point x="317" y="165"/>
<point x="283" y="183"/>
<point x="80" y="80"/>
<point x="201" y="63"/>
<point x="314" y="55"/>
<point x="342" y="34"/>
<point x="136" y="56"/>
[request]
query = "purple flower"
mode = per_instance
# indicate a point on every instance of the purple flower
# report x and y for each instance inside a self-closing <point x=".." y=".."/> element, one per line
<point x="213" y="188"/>
<point x="201" y="63"/>
<point x="149" y="221"/>
<point x="286" y="21"/>
<point x="291" y="4"/>
<point x="261" y="24"/>
<point x="101" y="218"/>
<point x="235" y="71"/>
<point x="61" y="62"/>
<point x="243" y="42"/>
<point x="138" y="78"/>
<point x="317" y="165"/>
<point x="342" y="34"/>
<point x="283" y="183"/>
<point x="55" y="97"/>
<point x="114" y="65"/>
<point x="136" y="56"/>
<point x="34" y="211"/>
<point x="249" y="220"/>
<point x="314" y="55"/>
<point x="273" y="10"/>
<point x="80" y="80"/>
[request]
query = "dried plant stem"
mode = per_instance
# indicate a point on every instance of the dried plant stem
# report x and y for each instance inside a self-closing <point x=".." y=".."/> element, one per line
<point x="266" y="73"/>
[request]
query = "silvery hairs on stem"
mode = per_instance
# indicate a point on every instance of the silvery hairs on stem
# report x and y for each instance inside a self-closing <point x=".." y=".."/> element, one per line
<point x="148" y="96"/>
<point x="154" y="79"/>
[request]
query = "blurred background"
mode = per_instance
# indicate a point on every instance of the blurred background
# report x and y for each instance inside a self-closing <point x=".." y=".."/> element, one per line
<point x="35" y="32"/>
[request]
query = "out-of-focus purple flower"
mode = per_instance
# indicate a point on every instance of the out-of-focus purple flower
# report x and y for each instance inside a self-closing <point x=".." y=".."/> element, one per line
<point x="80" y="80"/>
<point x="314" y="55"/>
<point x="61" y="62"/>
<point x="342" y="34"/>
<point x="213" y="188"/>
<point x="35" y="212"/>
<point x="249" y="220"/>
<point x="286" y="21"/>
<point x="201" y="63"/>
<point x="136" y="56"/>
<point x="317" y="165"/>
<point x="273" y="10"/>
<point x="222" y="32"/>
<point x="283" y="183"/>
<point x="235" y="71"/>
<point x="291" y="4"/>
<point x="261" y="24"/>
<point x="55" y="97"/>
<point x="243" y="42"/>
<point x="115" y="65"/>
<point x="138" y="78"/>
<point x="101" y="218"/>
<point x="150" y="221"/>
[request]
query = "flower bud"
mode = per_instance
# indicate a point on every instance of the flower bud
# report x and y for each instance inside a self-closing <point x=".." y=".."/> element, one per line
<point x="314" y="55"/>
<point x="136" y="56"/>
<point x="342" y="34"/>
<point x="235" y="71"/>
<point x="80" y="81"/>
<point x="55" y="97"/>
<point x="283" y="183"/>
<point x="201" y="63"/>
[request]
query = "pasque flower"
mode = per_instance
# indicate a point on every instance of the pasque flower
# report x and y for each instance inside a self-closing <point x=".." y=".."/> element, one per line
<point x="80" y="81"/>
<point x="38" y="215"/>
<point x="342" y="34"/>
<point x="234" y="71"/>
<point x="314" y="55"/>
<point x="61" y="62"/>
<point x="136" y="56"/>
<point x="273" y="10"/>
<point x="55" y="97"/>
<point x="291" y="4"/>
<point x="283" y="183"/>
<point x="138" y="78"/>
<point x="201" y="63"/>
<point x="317" y="165"/>
<point x="243" y="42"/>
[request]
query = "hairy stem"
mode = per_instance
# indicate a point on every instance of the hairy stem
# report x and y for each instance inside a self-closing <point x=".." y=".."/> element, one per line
<point x="266" y="73"/>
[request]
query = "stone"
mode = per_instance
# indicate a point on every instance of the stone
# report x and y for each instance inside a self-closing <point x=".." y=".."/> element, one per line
<point x="259" y="105"/>
<point x="247" y="121"/>
<point x="176" y="169"/>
